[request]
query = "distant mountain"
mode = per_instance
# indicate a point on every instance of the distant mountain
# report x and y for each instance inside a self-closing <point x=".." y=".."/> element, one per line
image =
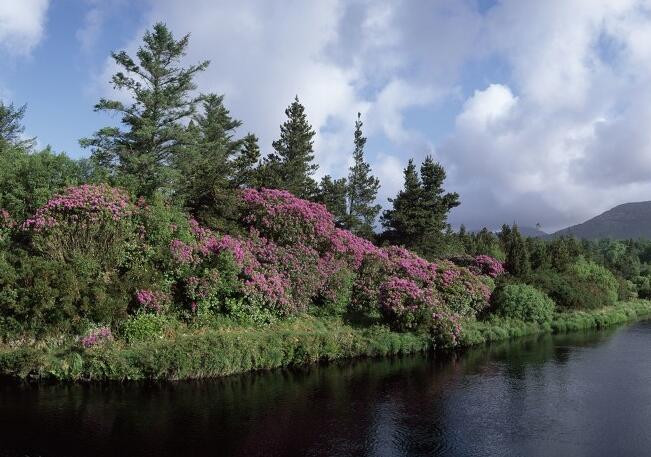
<point x="532" y="232"/>
<point x="630" y="220"/>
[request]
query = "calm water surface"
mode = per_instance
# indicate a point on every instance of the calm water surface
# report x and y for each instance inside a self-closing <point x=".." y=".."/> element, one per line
<point x="586" y="394"/>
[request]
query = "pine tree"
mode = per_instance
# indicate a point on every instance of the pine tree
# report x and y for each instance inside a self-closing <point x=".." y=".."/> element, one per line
<point x="245" y="171"/>
<point x="436" y="206"/>
<point x="402" y="221"/>
<point x="361" y="190"/>
<point x="332" y="193"/>
<point x="206" y="163"/>
<point x="141" y="156"/>
<point x="11" y="127"/>
<point x="517" y="257"/>
<point x="291" y="166"/>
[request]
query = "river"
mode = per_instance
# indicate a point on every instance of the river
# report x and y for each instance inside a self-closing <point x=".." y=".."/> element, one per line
<point x="576" y="394"/>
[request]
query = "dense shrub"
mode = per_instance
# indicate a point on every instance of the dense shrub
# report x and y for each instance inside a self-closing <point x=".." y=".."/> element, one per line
<point x="113" y="257"/>
<point x="584" y="285"/>
<point x="40" y="293"/>
<point x="405" y="305"/>
<point x="603" y="282"/>
<point x="524" y="302"/>
<point x="89" y="220"/>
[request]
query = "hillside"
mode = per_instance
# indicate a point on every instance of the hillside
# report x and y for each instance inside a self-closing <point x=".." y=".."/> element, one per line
<point x="629" y="220"/>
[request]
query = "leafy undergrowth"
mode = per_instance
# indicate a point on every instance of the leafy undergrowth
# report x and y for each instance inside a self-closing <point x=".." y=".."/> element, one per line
<point x="498" y="328"/>
<point x="206" y="353"/>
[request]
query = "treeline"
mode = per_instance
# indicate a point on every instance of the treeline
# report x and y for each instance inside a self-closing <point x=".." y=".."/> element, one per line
<point x="177" y="142"/>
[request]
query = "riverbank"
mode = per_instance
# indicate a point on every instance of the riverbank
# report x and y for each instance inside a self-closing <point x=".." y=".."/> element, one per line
<point x="207" y="353"/>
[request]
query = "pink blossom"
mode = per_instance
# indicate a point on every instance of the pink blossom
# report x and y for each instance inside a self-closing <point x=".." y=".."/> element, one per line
<point x="96" y="337"/>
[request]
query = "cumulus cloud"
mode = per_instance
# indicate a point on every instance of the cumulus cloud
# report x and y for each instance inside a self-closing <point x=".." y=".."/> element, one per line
<point x="548" y="100"/>
<point x="21" y="25"/>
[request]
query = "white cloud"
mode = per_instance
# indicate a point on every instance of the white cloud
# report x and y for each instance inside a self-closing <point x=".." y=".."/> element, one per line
<point x="21" y="25"/>
<point x="553" y="131"/>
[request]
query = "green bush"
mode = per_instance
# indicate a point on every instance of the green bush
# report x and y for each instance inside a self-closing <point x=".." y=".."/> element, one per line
<point x="523" y="302"/>
<point x="603" y="283"/>
<point x="336" y="299"/>
<point x="584" y="285"/>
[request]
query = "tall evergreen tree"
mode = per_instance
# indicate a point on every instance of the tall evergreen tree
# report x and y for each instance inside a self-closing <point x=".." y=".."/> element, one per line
<point x="11" y="127"/>
<point x="517" y="256"/>
<point x="291" y="166"/>
<point x="245" y="170"/>
<point x="418" y="219"/>
<point x="332" y="193"/>
<point x="402" y="221"/>
<point x="361" y="190"/>
<point x="436" y="206"/>
<point x="141" y="155"/>
<point x="206" y="162"/>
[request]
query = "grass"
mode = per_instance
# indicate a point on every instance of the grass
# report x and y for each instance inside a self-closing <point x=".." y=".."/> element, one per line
<point x="206" y="353"/>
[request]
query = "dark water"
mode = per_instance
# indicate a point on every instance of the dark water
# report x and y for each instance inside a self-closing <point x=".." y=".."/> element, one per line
<point x="580" y="394"/>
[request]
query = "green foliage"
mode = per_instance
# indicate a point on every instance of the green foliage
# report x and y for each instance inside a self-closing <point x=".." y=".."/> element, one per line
<point x="291" y="166"/>
<point x="517" y="255"/>
<point x="419" y="214"/>
<point x="140" y="157"/>
<point x="11" y="127"/>
<point x="523" y="302"/>
<point x="214" y="163"/>
<point x="332" y="193"/>
<point x="603" y="282"/>
<point x="361" y="190"/>
<point x="146" y="327"/>
<point x="28" y="180"/>
<point x="341" y="286"/>
<point x="42" y="293"/>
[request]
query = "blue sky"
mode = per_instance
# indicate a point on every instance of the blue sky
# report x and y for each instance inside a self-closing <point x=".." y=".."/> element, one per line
<point x="539" y="110"/>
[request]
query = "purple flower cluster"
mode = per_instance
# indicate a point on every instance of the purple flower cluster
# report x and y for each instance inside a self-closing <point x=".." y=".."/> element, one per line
<point x="294" y="254"/>
<point x="152" y="300"/>
<point x="182" y="252"/>
<point x="96" y="337"/>
<point x="279" y="215"/>
<point x="405" y="304"/>
<point x="87" y="204"/>
<point x="487" y="265"/>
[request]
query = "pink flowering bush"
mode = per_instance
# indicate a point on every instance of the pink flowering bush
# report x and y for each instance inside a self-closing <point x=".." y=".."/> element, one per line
<point x="89" y="220"/>
<point x="487" y="265"/>
<point x="463" y="292"/>
<point x="406" y="305"/>
<point x="152" y="300"/>
<point x="97" y="337"/>
<point x="280" y="216"/>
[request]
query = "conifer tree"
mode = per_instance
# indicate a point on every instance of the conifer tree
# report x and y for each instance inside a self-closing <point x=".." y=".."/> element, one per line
<point x="11" y="127"/>
<point x="517" y="257"/>
<point x="291" y="166"/>
<point x="332" y="193"/>
<point x="402" y="222"/>
<point x="362" y="189"/>
<point x="141" y="155"/>
<point x="206" y="162"/>
<point x="245" y="171"/>
<point x="436" y="207"/>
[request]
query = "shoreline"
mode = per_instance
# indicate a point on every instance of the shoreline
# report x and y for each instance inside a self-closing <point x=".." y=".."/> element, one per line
<point x="306" y="340"/>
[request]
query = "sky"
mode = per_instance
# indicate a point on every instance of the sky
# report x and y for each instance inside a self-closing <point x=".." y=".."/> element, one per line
<point x="540" y="110"/>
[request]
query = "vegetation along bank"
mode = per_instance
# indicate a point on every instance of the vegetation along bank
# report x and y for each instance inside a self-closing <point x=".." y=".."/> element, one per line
<point x="177" y="252"/>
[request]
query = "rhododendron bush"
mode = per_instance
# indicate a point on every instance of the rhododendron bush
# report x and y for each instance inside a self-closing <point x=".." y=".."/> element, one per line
<point x="91" y="220"/>
<point x="289" y="258"/>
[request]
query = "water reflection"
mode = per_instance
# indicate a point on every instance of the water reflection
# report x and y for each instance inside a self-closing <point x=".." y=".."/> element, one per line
<point x="580" y="394"/>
